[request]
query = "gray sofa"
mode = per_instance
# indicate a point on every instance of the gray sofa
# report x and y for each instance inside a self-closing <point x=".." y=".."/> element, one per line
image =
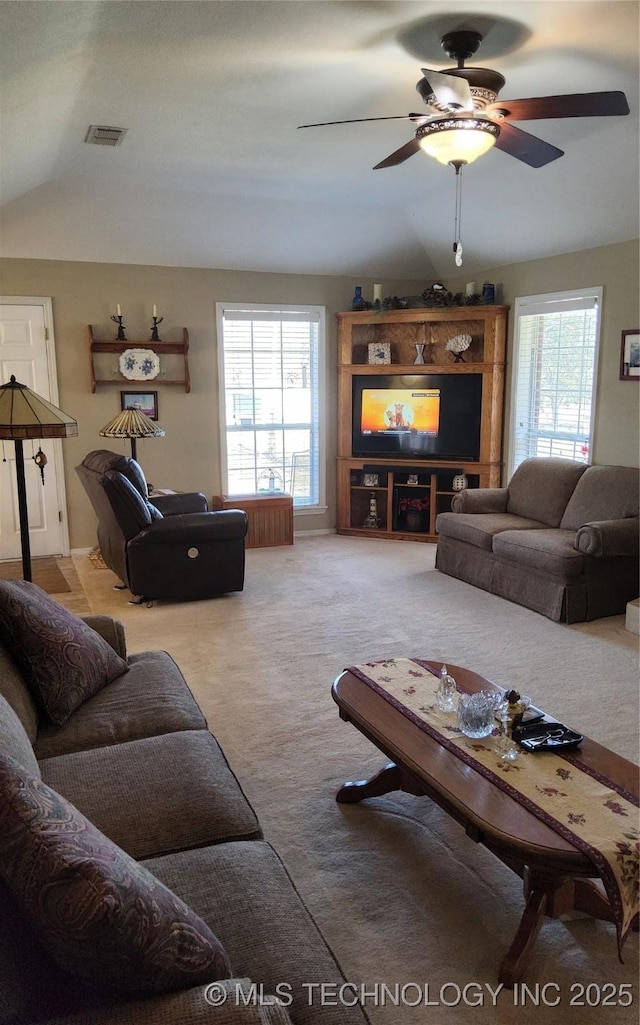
<point x="138" y="761"/>
<point x="562" y="539"/>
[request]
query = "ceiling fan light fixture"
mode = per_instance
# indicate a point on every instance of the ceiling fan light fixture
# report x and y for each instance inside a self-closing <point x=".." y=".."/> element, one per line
<point x="458" y="140"/>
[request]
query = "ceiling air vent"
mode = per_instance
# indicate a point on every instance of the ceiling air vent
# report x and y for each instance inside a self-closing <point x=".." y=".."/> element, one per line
<point x="102" y="135"/>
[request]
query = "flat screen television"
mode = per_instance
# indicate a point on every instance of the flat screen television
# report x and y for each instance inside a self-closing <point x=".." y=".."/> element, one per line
<point x="424" y="416"/>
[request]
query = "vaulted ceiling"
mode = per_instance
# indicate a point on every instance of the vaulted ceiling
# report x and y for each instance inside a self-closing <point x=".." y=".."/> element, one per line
<point x="213" y="171"/>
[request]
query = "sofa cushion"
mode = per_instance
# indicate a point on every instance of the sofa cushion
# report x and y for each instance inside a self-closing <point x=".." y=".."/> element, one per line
<point x="603" y="493"/>
<point x="14" y="740"/>
<point x="62" y="659"/>
<point x="98" y="912"/>
<point x="164" y="794"/>
<point x="541" y="488"/>
<point x="15" y="690"/>
<point x="549" y="551"/>
<point x="245" y="895"/>
<point x="152" y="698"/>
<point x="480" y="529"/>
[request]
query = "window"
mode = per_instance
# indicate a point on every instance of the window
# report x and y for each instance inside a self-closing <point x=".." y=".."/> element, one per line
<point x="271" y="362"/>
<point x="553" y="391"/>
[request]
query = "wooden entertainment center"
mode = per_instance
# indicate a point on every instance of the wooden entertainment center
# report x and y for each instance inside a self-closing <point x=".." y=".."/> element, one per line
<point x="409" y="493"/>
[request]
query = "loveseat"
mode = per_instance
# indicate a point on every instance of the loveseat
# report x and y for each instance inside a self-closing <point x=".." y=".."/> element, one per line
<point x="135" y="883"/>
<point x="562" y="538"/>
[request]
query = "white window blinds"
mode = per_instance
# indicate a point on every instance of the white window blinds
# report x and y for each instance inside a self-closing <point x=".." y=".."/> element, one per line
<point x="270" y="370"/>
<point x="555" y="360"/>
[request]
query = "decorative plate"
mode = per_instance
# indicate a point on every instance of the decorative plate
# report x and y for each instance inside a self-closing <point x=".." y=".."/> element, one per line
<point x="139" y="364"/>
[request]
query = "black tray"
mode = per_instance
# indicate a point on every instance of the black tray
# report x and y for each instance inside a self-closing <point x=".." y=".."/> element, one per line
<point x="547" y="736"/>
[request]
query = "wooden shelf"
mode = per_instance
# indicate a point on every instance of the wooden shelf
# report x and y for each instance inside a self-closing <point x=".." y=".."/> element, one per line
<point x="181" y="349"/>
<point x="403" y="330"/>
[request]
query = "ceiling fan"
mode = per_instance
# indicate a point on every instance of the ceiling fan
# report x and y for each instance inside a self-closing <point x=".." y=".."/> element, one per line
<point x="466" y="117"/>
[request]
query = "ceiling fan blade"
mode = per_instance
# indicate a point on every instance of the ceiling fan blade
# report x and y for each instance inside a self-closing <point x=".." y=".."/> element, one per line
<point x="358" y="120"/>
<point x="450" y="90"/>
<point x="400" y="155"/>
<point x="572" y="105"/>
<point x="528" y="148"/>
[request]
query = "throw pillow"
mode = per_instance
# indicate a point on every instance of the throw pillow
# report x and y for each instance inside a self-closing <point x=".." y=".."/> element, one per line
<point x="63" y="660"/>
<point x="97" y="912"/>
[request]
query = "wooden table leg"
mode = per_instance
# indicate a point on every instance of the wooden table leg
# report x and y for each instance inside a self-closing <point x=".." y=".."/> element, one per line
<point x="514" y="963"/>
<point x="388" y="779"/>
<point x="551" y="895"/>
<point x="392" y="777"/>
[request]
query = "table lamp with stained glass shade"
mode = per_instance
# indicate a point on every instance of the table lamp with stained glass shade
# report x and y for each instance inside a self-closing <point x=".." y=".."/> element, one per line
<point x="23" y="416"/>
<point x="132" y="424"/>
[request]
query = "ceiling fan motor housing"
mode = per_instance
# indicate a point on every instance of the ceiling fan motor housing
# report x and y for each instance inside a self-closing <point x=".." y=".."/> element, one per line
<point x="485" y="84"/>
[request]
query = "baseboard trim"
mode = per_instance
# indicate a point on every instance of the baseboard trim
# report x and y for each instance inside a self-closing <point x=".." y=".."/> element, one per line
<point x="314" y="533"/>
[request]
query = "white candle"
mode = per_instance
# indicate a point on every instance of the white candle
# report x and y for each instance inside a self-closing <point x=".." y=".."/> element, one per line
<point x="118" y="310"/>
<point x="377" y="293"/>
<point x="155" y="310"/>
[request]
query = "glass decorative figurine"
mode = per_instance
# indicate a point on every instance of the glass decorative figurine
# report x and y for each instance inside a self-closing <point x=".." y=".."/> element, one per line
<point x="447" y="692"/>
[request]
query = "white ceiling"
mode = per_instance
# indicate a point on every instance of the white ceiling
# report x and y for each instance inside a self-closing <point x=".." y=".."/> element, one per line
<point x="214" y="173"/>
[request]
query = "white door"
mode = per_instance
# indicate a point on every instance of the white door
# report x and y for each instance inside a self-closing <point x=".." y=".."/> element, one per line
<point x="27" y="351"/>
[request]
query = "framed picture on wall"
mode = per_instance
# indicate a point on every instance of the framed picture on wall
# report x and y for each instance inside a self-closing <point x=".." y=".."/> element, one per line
<point x="630" y="355"/>
<point x="144" y="401"/>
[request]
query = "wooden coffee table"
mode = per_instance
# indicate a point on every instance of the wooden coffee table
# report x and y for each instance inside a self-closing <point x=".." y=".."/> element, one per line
<point x="557" y="876"/>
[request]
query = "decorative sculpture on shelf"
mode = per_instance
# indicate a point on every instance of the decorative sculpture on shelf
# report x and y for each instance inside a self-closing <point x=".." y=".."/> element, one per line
<point x="121" y="336"/>
<point x="155" y="337"/>
<point x="457" y="345"/>
<point x="372" y="521"/>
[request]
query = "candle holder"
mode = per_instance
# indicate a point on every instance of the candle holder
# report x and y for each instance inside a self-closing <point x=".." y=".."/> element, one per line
<point x="155" y="337"/>
<point x="121" y="336"/>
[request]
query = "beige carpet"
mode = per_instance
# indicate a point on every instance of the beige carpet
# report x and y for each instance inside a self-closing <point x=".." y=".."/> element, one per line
<point x="400" y="892"/>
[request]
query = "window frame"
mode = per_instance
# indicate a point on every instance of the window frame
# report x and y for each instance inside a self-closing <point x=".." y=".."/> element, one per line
<point x="319" y="316"/>
<point x="530" y="305"/>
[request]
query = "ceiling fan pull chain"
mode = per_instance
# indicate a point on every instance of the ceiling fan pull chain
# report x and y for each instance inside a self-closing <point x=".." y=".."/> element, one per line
<point x="457" y="227"/>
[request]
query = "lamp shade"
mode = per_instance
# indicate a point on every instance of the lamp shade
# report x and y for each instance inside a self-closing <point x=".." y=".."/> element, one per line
<point x="23" y="415"/>
<point x="131" y="423"/>
<point x="457" y="139"/>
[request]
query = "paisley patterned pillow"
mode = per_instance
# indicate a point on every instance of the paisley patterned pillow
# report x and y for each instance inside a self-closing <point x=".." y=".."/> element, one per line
<point x="99" y="913"/>
<point x="63" y="660"/>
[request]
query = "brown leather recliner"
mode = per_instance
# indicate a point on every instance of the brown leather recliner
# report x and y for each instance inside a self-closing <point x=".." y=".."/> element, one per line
<point x="169" y="547"/>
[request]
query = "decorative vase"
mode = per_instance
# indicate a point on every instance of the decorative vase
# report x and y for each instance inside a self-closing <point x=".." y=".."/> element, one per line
<point x="419" y="353"/>
<point x="372" y="521"/>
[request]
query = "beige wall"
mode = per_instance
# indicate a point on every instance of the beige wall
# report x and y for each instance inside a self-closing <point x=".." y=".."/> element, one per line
<point x="616" y="269"/>
<point x="187" y="458"/>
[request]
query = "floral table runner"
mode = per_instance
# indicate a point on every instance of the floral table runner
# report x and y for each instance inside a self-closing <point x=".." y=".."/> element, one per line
<point x="596" y="815"/>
